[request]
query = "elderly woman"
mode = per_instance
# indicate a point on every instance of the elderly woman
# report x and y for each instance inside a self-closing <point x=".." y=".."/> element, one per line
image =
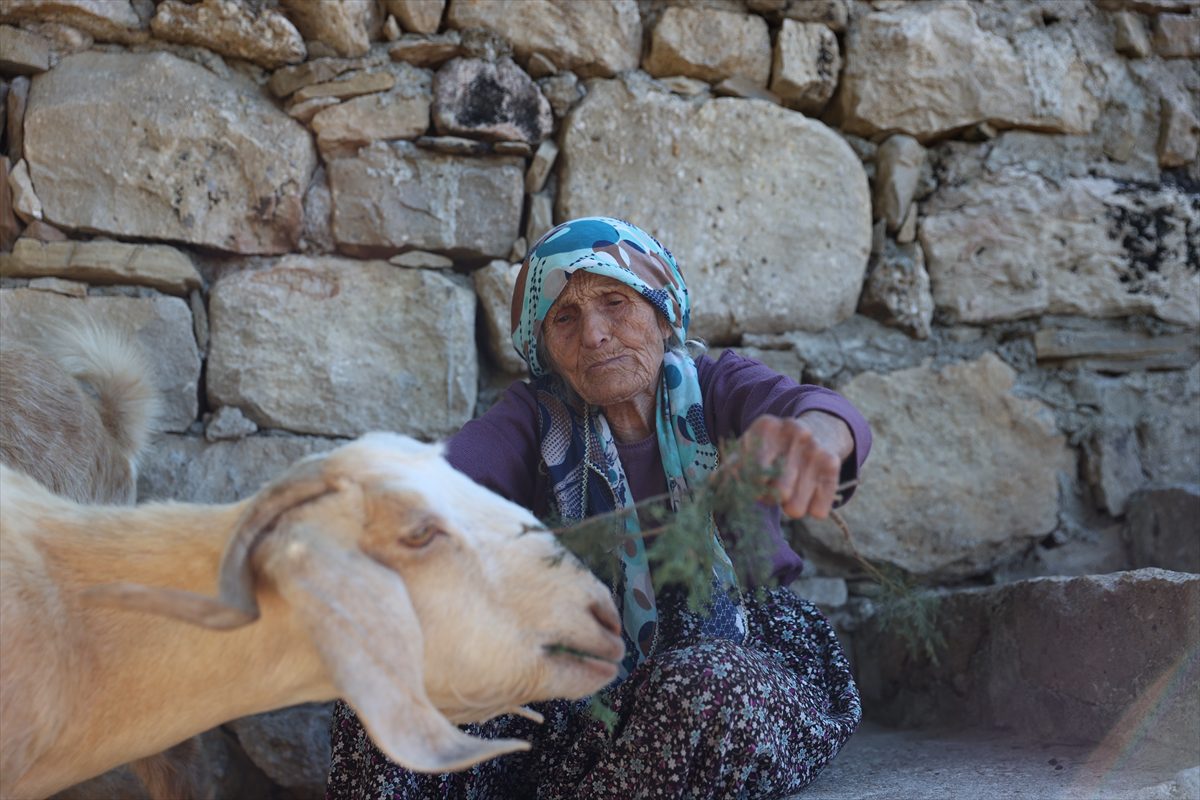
<point x="749" y="699"/>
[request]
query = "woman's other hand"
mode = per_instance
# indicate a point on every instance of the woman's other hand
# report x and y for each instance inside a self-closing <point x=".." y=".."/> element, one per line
<point x="807" y="452"/>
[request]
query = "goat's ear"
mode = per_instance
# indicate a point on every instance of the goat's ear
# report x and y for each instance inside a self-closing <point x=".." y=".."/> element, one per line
<point x="360" y="618"/>
<point x="302" y="483"/>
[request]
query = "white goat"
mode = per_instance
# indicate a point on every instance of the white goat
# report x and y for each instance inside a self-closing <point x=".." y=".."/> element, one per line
<point x="76" y="407"/>
<point x="375" y="572"/>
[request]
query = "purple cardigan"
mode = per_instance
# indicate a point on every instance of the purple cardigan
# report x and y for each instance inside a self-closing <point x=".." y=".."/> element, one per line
<point x="500" y="449"/>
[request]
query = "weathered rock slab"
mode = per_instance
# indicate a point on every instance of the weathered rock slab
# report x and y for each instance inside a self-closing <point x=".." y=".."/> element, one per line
<point x="493" y="100"/>
<point x="417" y="16"/>
<point x="805" y="65"/>
<point x="192" y="470"/>
<point x="426" y="51"/>
<point x="1176" y="35"/>
<point x="587" y="38"/>
<point x="710" y="45"/>
<point x="952" y="449"/>
<point x="395" y="196"/>
<point x="157" y="266"/>
<point x="287" y="80"/>
<point x="22" y="52"/>
<point x="290" y="745"/>
<point x="105" y="20"/>
<point x="337" y="347"/>
<point x="161" y="326"/>
<point x="1015" y="244"/>
<point x="1160" y="527"/>
<point x="176" y="152"/>
<point x="897" y="289"/>
<point x="927" y="69"/>
<point x="401" y="112"/>
<point x="1082" y="659"/>
<point x="736" y="166"/>
<point x="345" y="26"/>
<point x="266" y="38"/>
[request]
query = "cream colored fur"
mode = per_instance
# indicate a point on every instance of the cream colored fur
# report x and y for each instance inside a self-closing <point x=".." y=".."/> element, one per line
<point x="376" y="573"/>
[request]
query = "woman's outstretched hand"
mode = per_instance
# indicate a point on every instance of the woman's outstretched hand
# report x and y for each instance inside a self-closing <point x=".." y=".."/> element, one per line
<point x="806" y="454"/>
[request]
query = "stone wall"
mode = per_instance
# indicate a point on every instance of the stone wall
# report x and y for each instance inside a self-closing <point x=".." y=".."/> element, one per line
<point x="981" y="222"/>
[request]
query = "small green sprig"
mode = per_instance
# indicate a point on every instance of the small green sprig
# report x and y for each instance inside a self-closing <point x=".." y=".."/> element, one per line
<point x="905" y="608"/>
<point x="678" y="543"/>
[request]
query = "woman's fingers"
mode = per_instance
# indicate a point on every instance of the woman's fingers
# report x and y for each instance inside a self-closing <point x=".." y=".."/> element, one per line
<point x="808" y="467"/>
<point x="825" y="469"/>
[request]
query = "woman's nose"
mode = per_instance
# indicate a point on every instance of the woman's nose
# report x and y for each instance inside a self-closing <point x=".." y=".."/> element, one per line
<point x="596" y="330"/>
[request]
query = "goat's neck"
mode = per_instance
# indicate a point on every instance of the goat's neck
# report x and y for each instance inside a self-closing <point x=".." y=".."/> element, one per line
<point x="174" y="678"/>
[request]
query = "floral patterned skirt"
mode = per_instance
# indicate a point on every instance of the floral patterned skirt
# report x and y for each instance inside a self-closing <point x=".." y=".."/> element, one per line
<point x="701" y="718"/>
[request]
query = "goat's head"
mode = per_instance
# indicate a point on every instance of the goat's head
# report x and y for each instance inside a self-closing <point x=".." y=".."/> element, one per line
<point x="432" y="600"/>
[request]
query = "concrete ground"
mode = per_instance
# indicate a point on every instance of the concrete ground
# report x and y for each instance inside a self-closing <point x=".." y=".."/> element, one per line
<point x="884" y="764"/>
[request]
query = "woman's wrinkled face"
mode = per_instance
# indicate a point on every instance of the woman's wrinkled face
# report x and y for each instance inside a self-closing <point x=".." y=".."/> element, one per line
<point x="605" y="340"/>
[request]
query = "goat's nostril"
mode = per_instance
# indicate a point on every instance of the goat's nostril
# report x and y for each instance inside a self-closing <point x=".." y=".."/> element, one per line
<point x="606" y="615"/>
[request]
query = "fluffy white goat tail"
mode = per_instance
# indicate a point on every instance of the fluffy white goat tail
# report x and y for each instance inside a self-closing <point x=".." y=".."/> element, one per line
<point x="118" y="375"/>
<point x="77" y="405"/>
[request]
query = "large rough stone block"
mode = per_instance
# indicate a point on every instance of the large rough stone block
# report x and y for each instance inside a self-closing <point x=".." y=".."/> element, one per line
<point x="710" y="45"/>
<point x="290" y="745"/>
<point x="344" y="26"/>
<point x="417" y="16"/>
<point x="962" y="472"/>
<point x="494" y="100"/>
<point x="174" y="152"/>
<point x="1161" y="527"/>
<point x="395" y="196"/>
<point x="1014" y="244"/>
<point x="585" y="37"/>
<point x="266" y="38"/>
<point x="767" y="212"/>
<point x="338" y="347"/>
<point x="161" y="326"/>
<point x="1092" y="658"/>
<point x="805" y="65"/>
<point x="930" y="68"/>
<point x="192" y="470"/>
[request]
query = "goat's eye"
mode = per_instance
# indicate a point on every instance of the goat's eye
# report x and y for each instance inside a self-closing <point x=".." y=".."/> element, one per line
<point x="421" y="536"/>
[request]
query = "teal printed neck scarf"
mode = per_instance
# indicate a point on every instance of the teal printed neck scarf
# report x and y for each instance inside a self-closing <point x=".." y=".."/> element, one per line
<point x="577" y="446"/>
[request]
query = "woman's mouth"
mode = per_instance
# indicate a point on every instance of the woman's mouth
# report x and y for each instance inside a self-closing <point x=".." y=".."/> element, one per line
<point x="606" y="362"/>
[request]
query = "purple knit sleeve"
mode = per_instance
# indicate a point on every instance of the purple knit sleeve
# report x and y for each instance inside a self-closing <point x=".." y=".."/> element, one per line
<point x="499" y="450"/>
<point x="738" y="390"/>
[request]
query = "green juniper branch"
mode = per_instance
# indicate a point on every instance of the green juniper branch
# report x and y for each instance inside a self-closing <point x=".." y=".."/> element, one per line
<point x="679" y="550"/>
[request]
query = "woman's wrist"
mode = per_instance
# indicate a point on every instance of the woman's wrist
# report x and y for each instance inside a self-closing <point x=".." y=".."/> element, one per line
<point x="830" y="430"/>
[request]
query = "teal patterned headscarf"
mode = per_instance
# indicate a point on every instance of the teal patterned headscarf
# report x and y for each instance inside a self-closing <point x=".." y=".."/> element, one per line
<point x="577" y="446"/>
